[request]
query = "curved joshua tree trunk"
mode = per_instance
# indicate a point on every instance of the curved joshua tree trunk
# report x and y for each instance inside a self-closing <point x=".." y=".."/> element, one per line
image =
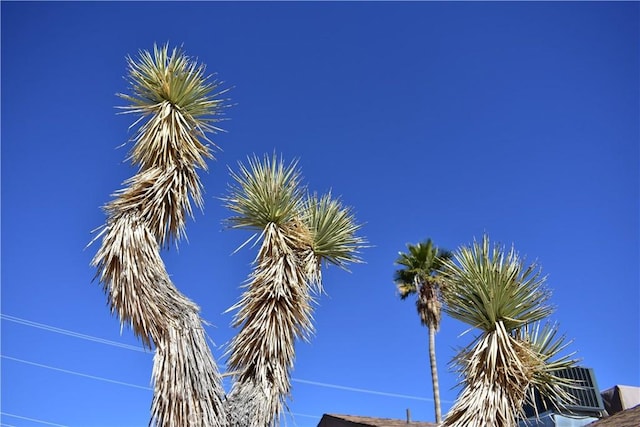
<point x="145" y="216"/>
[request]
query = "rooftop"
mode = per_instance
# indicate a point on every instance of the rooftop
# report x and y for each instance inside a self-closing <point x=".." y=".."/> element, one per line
<point x="335" y="420"/>
<point x="627" y="418"/>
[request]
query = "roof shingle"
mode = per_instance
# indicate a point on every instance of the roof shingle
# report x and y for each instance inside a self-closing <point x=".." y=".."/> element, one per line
<point x="627" y="418"/>
<point x="334" y="420"/>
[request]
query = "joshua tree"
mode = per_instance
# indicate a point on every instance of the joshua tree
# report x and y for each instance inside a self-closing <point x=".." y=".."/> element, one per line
<point x="512" y="356"/>
<point x="177" y="105"/>
<point x="419" y="275"/>
<point x="298" y="233"/>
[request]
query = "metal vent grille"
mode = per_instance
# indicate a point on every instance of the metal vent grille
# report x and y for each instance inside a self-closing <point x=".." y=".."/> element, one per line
<point x="587" y="399"/>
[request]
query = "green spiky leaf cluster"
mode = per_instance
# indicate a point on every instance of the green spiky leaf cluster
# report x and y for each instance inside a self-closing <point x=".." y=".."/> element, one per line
<point x="333" y="229"/>
<point x="182" y="104"/>
<point x="489" y="285"/>
<point x="549" y="347"/>
<point x="267" y="191"/>
<point x="264" y="192"/>
<point x="175" y="78"/>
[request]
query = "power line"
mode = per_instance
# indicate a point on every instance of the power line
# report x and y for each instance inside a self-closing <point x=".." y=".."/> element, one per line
<point x="71" y="333"/>
<point x="304" y="415"/>
<point x="80" y="374"/>
<point x="141" y="349"/>
<point x="20" y="417"/>
<point x="362" y="390"/>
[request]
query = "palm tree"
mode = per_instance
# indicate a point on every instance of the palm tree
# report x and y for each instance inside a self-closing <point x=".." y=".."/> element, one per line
<point x="177" y="105"/>
<point x="298" y="233"/>
<point x="419" y="275"/>
<point x="494" y="291"/>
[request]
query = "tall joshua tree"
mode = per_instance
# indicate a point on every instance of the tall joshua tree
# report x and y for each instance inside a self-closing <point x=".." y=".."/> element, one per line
<point x="177" y="106"/>
<point x="419" y="275"/>
<point x="493" y="291"/>
<point x="298" y="233"/>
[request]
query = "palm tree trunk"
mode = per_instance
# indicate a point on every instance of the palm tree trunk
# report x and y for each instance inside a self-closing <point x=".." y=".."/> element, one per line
<point x="434" y="374"/>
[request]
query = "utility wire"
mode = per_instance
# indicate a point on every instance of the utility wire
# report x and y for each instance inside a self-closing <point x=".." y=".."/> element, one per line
<point x="141" y="349"/>
<point x="71" y="333"/>
<point x="362" y="390"/>
<point x="20" y="417"/>
<point x="80" y="374"/>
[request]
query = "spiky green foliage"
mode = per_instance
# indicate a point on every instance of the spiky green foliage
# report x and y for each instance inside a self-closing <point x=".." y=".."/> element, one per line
<point x="276" y="308"/>
<point x="264" y="192"/>
<point x="334" y="229"/>
<point x="491" y="285"/>
<point x="494" y="291"/>
<point x="419" y="275"/>
<point x="184" y="104"/>
<point x="171" y="92"/>
<point x="180" y="105"/>
<point x="548" y="347"/>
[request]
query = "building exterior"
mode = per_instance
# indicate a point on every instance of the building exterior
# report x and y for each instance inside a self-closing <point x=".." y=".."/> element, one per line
<point x="622" y="404"/>
<point x="626" y="418"/>
<point x="333" y="420"/>
<point x="618" y="406"/>
<point x="620" y="398"/>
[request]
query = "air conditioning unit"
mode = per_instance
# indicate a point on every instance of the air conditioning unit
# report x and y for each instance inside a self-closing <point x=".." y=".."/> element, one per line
<point x="587" y="401"/>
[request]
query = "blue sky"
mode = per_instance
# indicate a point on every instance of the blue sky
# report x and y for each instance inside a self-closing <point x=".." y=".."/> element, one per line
<point x="442" y="120"/>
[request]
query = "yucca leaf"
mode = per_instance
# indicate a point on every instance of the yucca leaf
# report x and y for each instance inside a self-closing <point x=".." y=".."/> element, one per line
<point x="546" y="380"/>
<point x="265" y="191"/>
<point x="182" y="102"/>
<point x="333" y="230"/>
<point x="487" y="285"/>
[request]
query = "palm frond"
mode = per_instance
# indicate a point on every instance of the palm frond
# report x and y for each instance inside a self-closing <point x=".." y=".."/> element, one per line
<point x="420" y="275"/>
<point x="421" y="260"/>
<point x="264" y="192"/>
<point x="405" y="289"/>
<point x="429" y="304"/>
